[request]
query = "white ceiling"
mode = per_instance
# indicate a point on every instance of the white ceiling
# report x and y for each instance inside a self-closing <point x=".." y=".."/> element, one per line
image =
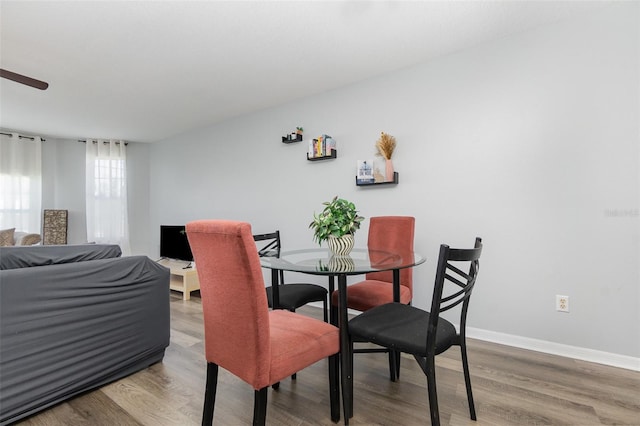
<point x="147" y="70"/>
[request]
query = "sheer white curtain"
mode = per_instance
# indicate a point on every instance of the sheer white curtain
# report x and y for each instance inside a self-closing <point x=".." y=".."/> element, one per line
<point x="106" y="193"/>
<point x="20" y="182"/>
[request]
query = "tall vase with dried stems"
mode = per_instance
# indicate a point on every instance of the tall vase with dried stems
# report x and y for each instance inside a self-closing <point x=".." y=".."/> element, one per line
<point x="386" y="144"/>
<point x="388" y="171"/>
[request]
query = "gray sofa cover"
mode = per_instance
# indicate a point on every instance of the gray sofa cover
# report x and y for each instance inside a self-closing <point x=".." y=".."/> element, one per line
<point x="73" y="319"/>
<point x="14" y="257"/>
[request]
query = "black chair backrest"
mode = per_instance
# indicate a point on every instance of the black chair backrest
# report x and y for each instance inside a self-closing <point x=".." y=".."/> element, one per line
<point x="460" y="281"/>
<point x="270" y="244"/>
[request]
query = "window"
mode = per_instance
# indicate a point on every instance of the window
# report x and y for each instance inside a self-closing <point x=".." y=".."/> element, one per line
<point x="106" y="193"/>
<point x="20" y="182"/>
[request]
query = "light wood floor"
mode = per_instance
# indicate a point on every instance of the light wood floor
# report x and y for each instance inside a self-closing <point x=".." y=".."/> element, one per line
<point x="511" y="387"/>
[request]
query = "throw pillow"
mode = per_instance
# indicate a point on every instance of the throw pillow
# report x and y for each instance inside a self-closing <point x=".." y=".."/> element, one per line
<point x="6" y="237"/>
<point x="30" y="239"/>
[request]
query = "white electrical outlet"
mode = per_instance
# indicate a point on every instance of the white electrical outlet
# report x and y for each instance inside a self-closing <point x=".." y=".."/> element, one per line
<point x="562" y="303"/>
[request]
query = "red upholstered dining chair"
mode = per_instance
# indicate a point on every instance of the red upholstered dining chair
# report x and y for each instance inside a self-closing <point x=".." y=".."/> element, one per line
<point x="394" y="233"/>
<point x="242" y="335"/>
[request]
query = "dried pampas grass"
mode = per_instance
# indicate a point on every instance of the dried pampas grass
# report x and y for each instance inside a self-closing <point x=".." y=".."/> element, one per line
<point x="386" y="144"/>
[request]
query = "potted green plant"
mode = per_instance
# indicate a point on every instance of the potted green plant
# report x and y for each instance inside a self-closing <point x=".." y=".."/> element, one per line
<point x="336" y="224"/>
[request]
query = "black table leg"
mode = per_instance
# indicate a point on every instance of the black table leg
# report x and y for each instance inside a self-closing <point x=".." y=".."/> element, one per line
<point x="275" y="290"/>
<point x="396" y="285"/>
<point x="333" y="309"/>
<point x="345" y="357"/>
<point x="396" y="298"/>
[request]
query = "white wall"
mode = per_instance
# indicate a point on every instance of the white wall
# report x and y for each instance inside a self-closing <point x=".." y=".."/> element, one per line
<point x="530" y="142"/>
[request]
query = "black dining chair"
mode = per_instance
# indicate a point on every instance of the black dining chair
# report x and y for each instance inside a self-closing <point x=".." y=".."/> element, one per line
<point x="291" y="296"/>
<point x="395" y="233"/>
<point x="405" y="328"/>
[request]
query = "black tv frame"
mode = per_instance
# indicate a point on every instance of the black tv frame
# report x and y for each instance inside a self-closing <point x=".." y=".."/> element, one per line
<point x="174" y="243"/>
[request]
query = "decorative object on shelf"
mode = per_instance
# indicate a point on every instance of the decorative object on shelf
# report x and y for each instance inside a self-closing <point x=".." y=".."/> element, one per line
<point x="386" y="144"/>
<point x="394" y="181"/>
<point x="364" y="172"/>
<point x="339" y="218"/>
<point x="293" y="136"/>
<point x="322" y="147"/>
<point x="388" y="171"/>
<point x="379" y="165"/>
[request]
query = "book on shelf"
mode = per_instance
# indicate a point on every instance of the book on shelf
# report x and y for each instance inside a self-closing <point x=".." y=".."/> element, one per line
<point x="322" y="146"/>
<point x="330" y="145"/>
<point x="364" y="172"/>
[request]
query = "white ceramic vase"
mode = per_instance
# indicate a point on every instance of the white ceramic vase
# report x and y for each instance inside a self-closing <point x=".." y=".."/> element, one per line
<point x="340" y="246"/>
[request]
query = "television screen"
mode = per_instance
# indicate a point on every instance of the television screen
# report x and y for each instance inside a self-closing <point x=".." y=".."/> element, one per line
<point x="174" y="243"/>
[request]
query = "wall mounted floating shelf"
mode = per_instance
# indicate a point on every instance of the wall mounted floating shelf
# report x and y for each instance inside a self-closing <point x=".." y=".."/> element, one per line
<point x="394" y="182"/>
<point x="334" y="154"/>
<point x="288" y="139"/>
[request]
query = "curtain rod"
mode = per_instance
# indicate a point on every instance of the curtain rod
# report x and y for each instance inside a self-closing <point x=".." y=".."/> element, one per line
<point x="21" y="137"/>
<point x="43" y="140"/>
<point x="117" y="143"/>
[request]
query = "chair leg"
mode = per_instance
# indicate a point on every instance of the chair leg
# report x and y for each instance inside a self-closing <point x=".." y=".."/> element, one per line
<point x="392" y="365"/>
<point x="467" y="380"/>
<point x="347" y="394"/>
<point x="260" y="407"/>
<point x="333" y="314"/>
<point x="351" y="382"/>
<point x="430" y="372"/>
<point x="210" y="394"/>
<point x="325" y="315"/>
<point x="294" y="375"/>
<point x="334" y="393"/>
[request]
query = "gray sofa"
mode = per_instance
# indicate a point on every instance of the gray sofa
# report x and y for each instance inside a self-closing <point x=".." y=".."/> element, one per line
<point x="73" y="318"/>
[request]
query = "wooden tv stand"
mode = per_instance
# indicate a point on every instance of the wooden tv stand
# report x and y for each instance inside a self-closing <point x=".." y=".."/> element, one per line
<point x="182" y="280"/>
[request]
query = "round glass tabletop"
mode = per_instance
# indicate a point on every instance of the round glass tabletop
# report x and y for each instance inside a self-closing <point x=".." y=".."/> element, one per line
<point x="319" y="261"/>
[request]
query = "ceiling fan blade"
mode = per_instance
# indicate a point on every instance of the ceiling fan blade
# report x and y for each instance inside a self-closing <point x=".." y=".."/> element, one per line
<point x="18" y="78"/>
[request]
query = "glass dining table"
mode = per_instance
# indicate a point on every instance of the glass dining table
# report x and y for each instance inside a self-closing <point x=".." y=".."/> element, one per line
<point x="319" y="261"/>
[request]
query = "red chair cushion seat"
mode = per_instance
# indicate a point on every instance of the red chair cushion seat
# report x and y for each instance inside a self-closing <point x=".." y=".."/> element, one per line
<point x="297" y="341"/>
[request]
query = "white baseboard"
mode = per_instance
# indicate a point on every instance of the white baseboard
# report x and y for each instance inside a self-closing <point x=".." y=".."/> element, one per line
<point x="584" y="354"/>
<point x="575" y="352"/>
